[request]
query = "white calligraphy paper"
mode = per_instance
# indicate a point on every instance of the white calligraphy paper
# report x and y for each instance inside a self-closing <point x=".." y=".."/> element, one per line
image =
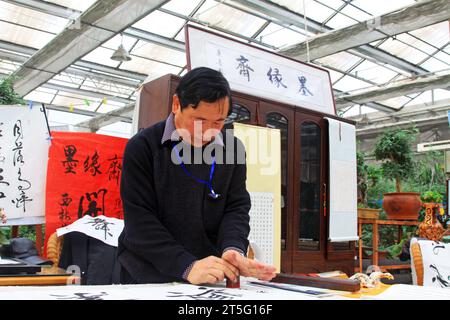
<point x="24" y="143"/>
<point x="103" y="228"/>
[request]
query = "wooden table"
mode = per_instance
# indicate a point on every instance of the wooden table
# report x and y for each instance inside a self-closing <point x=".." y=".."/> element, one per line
<point x="375" y="239"/>
<point x="47" y="277"/>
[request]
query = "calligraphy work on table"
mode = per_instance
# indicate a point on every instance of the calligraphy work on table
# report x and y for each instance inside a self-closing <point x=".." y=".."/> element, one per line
<point x="24" y="143"/>
<point x="166" y="291"/>
<point x="83" y="178"/>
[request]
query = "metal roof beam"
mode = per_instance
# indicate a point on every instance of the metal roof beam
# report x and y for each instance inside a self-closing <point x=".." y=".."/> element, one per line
<point x="286" y="16"/>
<point x="105" y="119"/>
<point x="98" y="24"/>
<point x="396" y="90"/>
<point x="126" y="75"/>
<point x="416" y="16"/>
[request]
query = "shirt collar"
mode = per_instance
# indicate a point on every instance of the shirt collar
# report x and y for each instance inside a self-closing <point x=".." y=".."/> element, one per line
<point x="170" y="133"/>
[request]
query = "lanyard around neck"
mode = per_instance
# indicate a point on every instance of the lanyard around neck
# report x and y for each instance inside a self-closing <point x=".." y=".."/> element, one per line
<point x="212" y="193"/>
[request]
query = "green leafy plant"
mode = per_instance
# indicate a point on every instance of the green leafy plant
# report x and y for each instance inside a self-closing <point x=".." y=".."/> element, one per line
<point x="7" y="94"/>
<point x="431" y="197"/>
<point x="393" y="148"/>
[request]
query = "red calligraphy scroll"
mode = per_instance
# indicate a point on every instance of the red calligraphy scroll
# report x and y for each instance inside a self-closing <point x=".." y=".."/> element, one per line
<point x="83" y="178"/>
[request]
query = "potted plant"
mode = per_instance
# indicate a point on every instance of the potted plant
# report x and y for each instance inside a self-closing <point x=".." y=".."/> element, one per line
<point x="393" y="148"/>
<point x="362" y="170"/>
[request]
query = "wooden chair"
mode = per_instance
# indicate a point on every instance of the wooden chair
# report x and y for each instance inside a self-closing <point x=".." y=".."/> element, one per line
<point x="416" y="262"/>
<point x="54" y="247"/>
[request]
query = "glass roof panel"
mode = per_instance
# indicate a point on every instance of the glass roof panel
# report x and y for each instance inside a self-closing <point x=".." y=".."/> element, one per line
<point x="110" y="106"/>
<point x="107" y="88"/>
<point x="373" y="72"/>
<point x="160" y="23"/>
<point x="160" y="53"/>
<point x="67" y="100"/>
<point x="335" y="4"/>
<point x="437" y="34"/>
<point x="440" y="94"/>
<point x="423" y="98"/>
<point x="355" y="111"/>
<point x="314" y="9"/>
<point x="149" y="67"/>
<point x="7" y="66"/>
<point x="348" y="84"/>
<point x="341" y="60"/>
<point x="181" y="6"/>
<point x="74" y="4"/>
<point x="57" y="118"/>
<point x="24" y="36"/>
<point x="231" y="19"/>
<point x="31" y="18"/>
<point x="118" y="129"/>
<point x="102" y="56"/>
<point x="334" y="75"/>
<point x="340" y="21"/>
<point x="434" y="65"/>
<point x="280" y="37"/>
<point x="39" y="96"/>
<point x="403" y="51"/>
<point x="417" y="43"/>
<point x="396" y="102"/>
<point x="356" y="13"/>
<point x="378" y="8"/>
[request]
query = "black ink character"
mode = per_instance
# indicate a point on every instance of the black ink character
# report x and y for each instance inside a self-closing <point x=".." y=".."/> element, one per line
<point x="303" y="89"/>
<point x="115" y="169"/>
<point x="70" y="163"/>
<point x="101" y="224"/>
<point x="436" y="247"/>
<point x="93" y="166"/>
<point x="96" y="204"/>
<point x="23" y="197"/>
<point x="275" y="77"/>
<point x="17" y="131"/>
<point x="2" y="178"/>
<point x="81" y="296"/>
<point x="243" y="67"/>
<point x="208" y="294"/>
<point x="443" y="283"/>
<point x="64" y="206"/>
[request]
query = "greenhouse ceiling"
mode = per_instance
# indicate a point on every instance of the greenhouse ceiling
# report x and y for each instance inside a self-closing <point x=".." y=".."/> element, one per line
<point x="382" y="55"/>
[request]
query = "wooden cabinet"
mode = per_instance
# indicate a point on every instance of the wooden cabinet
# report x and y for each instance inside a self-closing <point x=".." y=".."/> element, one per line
<point x="304" y="173"/>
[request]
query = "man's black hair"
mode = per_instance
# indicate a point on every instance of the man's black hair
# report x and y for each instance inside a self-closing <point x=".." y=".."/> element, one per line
<point x="202" y="84"/>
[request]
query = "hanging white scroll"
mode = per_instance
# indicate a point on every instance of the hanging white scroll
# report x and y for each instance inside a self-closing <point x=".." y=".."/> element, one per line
<point x="259" y="72"/>
<point x="24" y="143"/>
<point x="342" y="183"/>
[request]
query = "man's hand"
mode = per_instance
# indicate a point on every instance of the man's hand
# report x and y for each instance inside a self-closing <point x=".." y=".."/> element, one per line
<point x="211" y="270"/>
<point x="248" y="267"/>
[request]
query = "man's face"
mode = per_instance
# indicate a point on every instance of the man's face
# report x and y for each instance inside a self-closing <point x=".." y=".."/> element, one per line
<point x="200" y="125"/>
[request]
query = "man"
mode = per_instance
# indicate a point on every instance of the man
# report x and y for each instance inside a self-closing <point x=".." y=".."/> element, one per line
<point x="187" y="221"/>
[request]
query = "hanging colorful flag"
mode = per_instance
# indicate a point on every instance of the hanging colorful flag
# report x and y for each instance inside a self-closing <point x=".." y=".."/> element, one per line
<point x="87" y="102"/>
<point x="71" y="107"/>
<point x="83" y="178"/>
<point x="104" y="101"/>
